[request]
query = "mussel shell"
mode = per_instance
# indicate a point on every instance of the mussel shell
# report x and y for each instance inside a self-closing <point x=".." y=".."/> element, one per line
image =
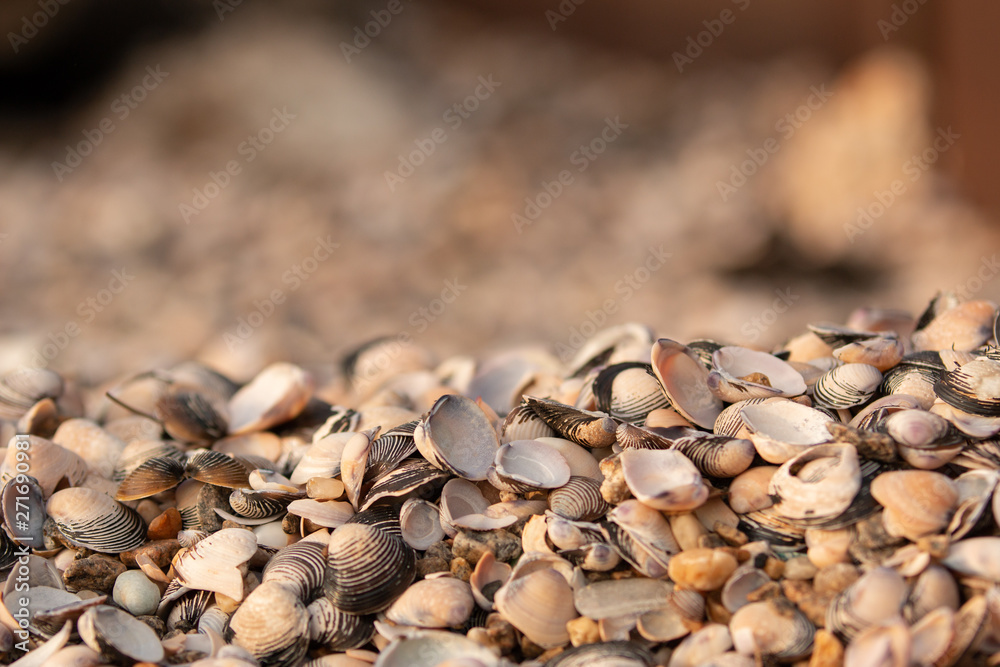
<point x="91" y="519"/>
<point x="607" y="654"/>
<point x="273" y="625"/>
<point x="367" y="568"/>
<point x="300" y="566"/>
<point x="337" y="630"/>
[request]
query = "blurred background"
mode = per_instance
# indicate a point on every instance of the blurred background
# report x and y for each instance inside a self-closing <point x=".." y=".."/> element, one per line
<point x="242" y="181"/>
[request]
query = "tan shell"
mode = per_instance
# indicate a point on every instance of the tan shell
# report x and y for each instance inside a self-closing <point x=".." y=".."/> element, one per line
<point x="749" y="491"/>
<point x="488" y="573"/>
<point x="964" y="327"/>
<point x="663" y="479"/>
<point x="272" y="624"/>
<point x="116" y="634"/>
<point x="49" y="463"/>
<point x="685" y="382"/>
<point x="218" y="562"/>
<point x="622" y="597"/>
<point x="539" y="604"/>
<point x="442" y="602"/>
<point x="820" y="482"/>
<point x="917" y="502"/>
<point x="774" y="628"/>
<point x="276" y="395"/>
<point x="92" y="443"/>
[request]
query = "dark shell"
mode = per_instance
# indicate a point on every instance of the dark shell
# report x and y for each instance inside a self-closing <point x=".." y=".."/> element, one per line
<point x="590" y="429"/>
<point x="337" y="630"/>
<point x="368" y="568"/>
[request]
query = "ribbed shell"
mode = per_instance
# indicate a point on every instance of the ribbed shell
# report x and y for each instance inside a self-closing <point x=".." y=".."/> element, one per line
<point x="579" y="500"/>
<point x="633" y="437"/>
<point x="409" y="477"/>
<point x="590" y="429"/>
<point x="273" y="625"/>
<point x="219" y="469"/>
<point x="187" y="611"/>
<point x="24" y="386"/>
<point x="189" y="416"/>
<point x="260" y="504"/>
<point x="523" y="423"/>
<point x="846" y="386"/>
<point x="151" y="477"/>
<point x="973" y="388"/>
<point x="717" y="456"/>
<point x="610" y="654"/>
<point x="91" y="519"/>
<point x="300" y="567"/>
<point x="389" y="449"/>
<point x="367" y="568"/>
<point x="629" y="391"/>
<point x="337" y="630"/>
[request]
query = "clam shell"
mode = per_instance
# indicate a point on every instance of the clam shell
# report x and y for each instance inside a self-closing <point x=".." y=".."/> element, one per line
<point x="663" y="479"/>
<point x="539" y="604"/>
<point x="622" y="597"/>
<point x="744" y="581"/>
<point x="367" y="568"/>
<point x="702" y="646"/>
<point x="92" y="443"/>
<point x="846" y="386"/>
<point x="685" y="382"/>
<point x="933" y="589"/>
<point x="611" y="345"/>
<point x="780" y="429"/>
<point x="299" y="567"/>
<point x="487" y="578"/>
<point x="963" y="327"/>
<point x="152" y="476"/>
<point x="740" y="373"/>
<point x="457" y="436"/>
<point x="882" y="352"/>
<point x="91" y="519"/>
<point x="336" y="630"/>
<point x="48" y="463"/>
<point x="190" y="416"/>
<point x="581" y="461"/>
<point x="972" y="388"/>
<point x="919" y="429"/>
<point x="578" y="500"/>
<point x="218" y="469"/>
<point x="328" y="513"/>
<point x="24" y="386"/>
<point x="442" y="602"/>
<point x="115" y="634"/>
<point x="435" y="648"/>
<point x="819" y="483"/>
<point x="917" y="502"/>
<point x="975" y="556"/>
<point x="217" y="563"/>
<point x="523" y="423"/>
<point x="420" y="522"/>
<point x="278" y="394"/>
<point x="716" y="456"/>
<point x="609" y="654"/>
<point x="273" y="625"/>
<point x="322" y="459"/>
<point x="412" y="477"/>
<point x="876" y="597"/>
<point x="532" y="464"/>
<point x="750" y="491"/>
<point x="774" y="628"/>
<point x="629" y="391"/>
<point x="354" y="462"/>
<point x="590" y="429"/>
<point x="389" y="450"/>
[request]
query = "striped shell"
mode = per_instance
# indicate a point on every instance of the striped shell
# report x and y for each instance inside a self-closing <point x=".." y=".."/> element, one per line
<point x="578" y="500"/>
<point x="716" y="456"/>
<point x="629" y="391"/>
<point x="972" y="388"/>
<point x="273" y="625"/>
<point x="590" y="429"/>
<point x="522" y="423"/>
<point x="846" y="386"/>
<point x="367" y="568"/>
<point x="337" y="630"/>
<point x="300" y="567"/>
<point x="217" y="562"/>
<point x="91" y="519"/>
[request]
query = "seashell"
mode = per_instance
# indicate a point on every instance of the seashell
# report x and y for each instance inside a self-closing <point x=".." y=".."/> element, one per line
<point x="21" y="496"/>
<point x="610" y="653"/>
<point x="621" y="597"/>
<point x="647" y="527"/>
<point x="41" y="419"/>
<point x="435" y="648"/>
<point x="217" y="469"/>
<point x="24" y="386"/>
<point x="152" y="476"/>
<point x="882" y="352"/>
<point x="917" y="502"/>
<point x="420" y="522"/>
<point x="187" y="611"/>
<point x="919" y="429"/>
<point x="702" y="569"/>
<point x="744" y="581"/>
<point x="322" y="459"/>
<point x="912" y="380"/>
<point x="354" y="463"/>
<point x="876" y="597"/>
<point x="666" y="418"/>
<point x="739" y="373"/>
<point x="590" y="429"/>
<point x="974" y="426"/>
<point x="774" y="628"/>
<point x="139" y="451"/>
<point x="890" y="642"/>
<point x="975" y="489"/>
<point x="846" y="386"/>
<point x="730" y="420"/>
<point x="523" y="423"/>
<point x="581" y="461"/>
<point x="750" y="490"/>
<point x="51" y="465"/>
<point x="715" y="455"/>
<point x="299" y="567"/>
<point x="663" y="479"/>
<point x="976" y="557"/>
<point x="273" y="625"/>
<point x="933" y="589"/>
<point x="611" y="345"/>
<point x="817" y="485"/>
<point x="412" y="477"/>
<point x="539" y="604"/>
<point x="629" y="391"/>
<point x="838" y="336"/>
<point x="780" y="429"/>
<point x="578" y="500"/>
<point x="262" y="444"/>
<point x="710" y="641"/>
<point x="322" y="513"/>
<point x="442" y="602"/>
<point x="633" y="437"/>
<point x="92" y="443"/>
<point x="278" y="394"/>
<point x="190" y="416"/>
<point x="973" y="388"/>
<point x="91" y="519"/>
<point x="118" y="636"/>
<point x="488" y="576"/>
<point x="532" y="464"/>
<point x="340" y="420"/>
<point x="337" y="630"/>
<point x="970" y="622"/>
<point x="218" y="562"/>
<point x="685" y="382"/>
<point x="932" y="634"/>
<point x="457" y="436"/>
<point x="368" y="568"/>
<point x="963" y="327"/>
<point x="389" y="450"/>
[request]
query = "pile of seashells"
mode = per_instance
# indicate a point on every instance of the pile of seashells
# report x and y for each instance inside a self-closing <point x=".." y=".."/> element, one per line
<point x="648" y="503"/>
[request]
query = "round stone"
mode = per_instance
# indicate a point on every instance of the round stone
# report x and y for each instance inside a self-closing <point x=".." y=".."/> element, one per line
<point x="135" y="593"/>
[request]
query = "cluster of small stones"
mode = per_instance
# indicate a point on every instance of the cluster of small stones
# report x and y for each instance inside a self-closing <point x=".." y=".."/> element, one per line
<point x="605" y="514"/>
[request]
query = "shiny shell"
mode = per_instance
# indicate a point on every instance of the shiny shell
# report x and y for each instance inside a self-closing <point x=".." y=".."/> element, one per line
<point x="522" y="423"/>
<point x="117" y="635"/>
<point x="629" y="391"/>
<point x="663" y="479"/>
<point x="420" y="522"/>
<point x="532" y="464"/>
<point x="278" y="393"/>
<point x="715" y="455"/>
<point x="539" y="604"/>
<point x="273" y="625"/>
<point x="457" y="436"/>
<point x="441" y="602"/>
<point x="300" y="567"/>
<point x="337" y="630"/>
<point x="846" y="386"/>
<point x="368" y="568"/>
<point x="685" y="382"/>
<point x="579" y="500"/>
<point x="91" y="519"/>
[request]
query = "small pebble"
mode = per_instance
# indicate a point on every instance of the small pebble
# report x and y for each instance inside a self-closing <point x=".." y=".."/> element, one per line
<point x="165" y="526"/>
<point x="702" y="569"/>
<point x="582" y="631"/>
<point x="833" y="579"/>
<point x="135" y="593"/>
<point x="471" y="545"/>
<point x="799" y="568"/>
<point x="96" y="573"/>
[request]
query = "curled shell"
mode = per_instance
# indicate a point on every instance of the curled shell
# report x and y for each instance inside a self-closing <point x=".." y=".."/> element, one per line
<point x="116" y="635"/>
<point x="819" y="483"/>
